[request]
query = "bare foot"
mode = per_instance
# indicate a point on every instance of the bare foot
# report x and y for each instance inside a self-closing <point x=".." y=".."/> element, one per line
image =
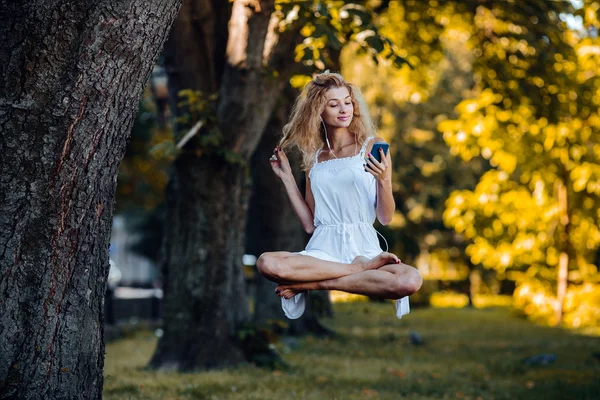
<point x="382" y="259"/>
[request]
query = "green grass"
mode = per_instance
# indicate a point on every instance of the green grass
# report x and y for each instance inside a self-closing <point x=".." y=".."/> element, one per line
<point x="468" y="354"/>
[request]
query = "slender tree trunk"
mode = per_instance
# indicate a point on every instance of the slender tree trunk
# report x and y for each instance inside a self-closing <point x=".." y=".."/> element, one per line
<point x="71" y="76"/>
<point x="563" y="261"/>
<point x="474" y="284"/>
<point x="205" y="298"/>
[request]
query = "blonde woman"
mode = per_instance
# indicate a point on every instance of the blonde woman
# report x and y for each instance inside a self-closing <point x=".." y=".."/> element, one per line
<point x="346" y="188"/>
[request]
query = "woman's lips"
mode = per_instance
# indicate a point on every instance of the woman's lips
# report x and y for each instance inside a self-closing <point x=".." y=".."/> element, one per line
<point x="344" y="118"/>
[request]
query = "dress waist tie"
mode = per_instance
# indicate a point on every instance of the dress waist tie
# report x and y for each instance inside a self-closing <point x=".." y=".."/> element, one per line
<point x="344" y="229"/>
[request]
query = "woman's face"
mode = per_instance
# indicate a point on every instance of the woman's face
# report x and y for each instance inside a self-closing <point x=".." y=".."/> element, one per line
<point x="338" y="108"/>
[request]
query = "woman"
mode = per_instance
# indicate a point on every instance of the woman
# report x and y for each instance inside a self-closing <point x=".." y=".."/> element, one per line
<point x="332" y="128"/>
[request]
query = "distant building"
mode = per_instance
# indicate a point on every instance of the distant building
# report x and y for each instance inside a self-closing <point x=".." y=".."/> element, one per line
<point x="136" y="270"/>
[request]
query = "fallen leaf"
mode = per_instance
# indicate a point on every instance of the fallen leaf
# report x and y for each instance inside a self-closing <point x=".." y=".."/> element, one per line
<point x="530" y="384"/>
<point x="396" y="372"/>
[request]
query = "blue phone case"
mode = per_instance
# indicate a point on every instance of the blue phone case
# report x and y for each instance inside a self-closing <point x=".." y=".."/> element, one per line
<point x="376" y="147"/>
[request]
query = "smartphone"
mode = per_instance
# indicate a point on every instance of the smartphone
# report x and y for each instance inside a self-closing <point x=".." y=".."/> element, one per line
<point x="375" y="150"/>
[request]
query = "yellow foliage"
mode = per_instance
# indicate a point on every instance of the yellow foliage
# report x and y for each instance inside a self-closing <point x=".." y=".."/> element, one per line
<point x="535" y="123"/>
<point x="448" y="300"/>
<point x="581" y="307"/>
<point x="299" y="81"/>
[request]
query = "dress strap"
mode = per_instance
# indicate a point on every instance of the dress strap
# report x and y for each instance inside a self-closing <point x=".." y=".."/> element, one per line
<point x="317" y="157"/>
<point x="364" y="146"/>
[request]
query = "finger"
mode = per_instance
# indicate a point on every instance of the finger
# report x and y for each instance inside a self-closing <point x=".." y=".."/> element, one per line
<point x="383" y="158"/>
<point x="281" y="154"/>
<point x="372" y="158"/>
<point x="373" y="166"/>
<point x="369" y="170"/>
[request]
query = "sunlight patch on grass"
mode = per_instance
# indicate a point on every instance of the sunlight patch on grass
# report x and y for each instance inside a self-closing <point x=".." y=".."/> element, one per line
<point x="337" y="296"/>
<point x="492" y="300"/>
<point x="448" y="299"/>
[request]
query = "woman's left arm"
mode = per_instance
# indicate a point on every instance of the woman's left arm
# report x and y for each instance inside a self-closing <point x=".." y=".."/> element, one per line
<point x="383" y="175"/>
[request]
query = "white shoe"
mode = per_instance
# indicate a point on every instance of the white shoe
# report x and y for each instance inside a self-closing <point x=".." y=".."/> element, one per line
<point x="402" y="307"/>
<point x="294" y="308"/>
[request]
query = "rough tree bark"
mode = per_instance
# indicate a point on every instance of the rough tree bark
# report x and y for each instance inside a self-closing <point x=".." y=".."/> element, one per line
<point x="71" y="76"/>
<point x="207" y="196"/>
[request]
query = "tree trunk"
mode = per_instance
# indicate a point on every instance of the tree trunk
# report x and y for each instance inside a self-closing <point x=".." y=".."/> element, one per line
<point x="563" y="263"/>
<point x="195" y="51"/>
<point x="205" y="298"/>
<point x="71" y="76"/>
<point x="203" y="306"/>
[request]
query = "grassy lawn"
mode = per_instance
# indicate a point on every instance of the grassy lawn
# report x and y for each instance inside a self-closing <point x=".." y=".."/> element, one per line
<point x="467" y="354"/>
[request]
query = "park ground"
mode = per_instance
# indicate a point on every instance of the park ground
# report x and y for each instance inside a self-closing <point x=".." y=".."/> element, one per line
<point x="466" y="354"/>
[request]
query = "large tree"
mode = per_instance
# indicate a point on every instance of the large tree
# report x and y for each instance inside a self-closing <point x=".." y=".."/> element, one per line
<point x="231" y="50"/>
<point x="71" y="76"/>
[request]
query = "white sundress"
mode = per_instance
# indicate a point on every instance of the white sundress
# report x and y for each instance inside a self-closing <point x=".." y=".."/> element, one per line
<point x="345" y="200"/>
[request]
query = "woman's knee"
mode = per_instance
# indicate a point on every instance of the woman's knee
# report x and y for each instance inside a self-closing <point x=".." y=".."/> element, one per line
<point x="409" y="282"/>
<point x="413" y="281"/>
<point x="264" y="262"/>
<point x="268" y="265"/>
<point x="416" y="280"/>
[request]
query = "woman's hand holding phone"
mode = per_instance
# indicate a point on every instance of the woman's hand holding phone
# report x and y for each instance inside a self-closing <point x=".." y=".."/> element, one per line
<point x="379" y="161"/>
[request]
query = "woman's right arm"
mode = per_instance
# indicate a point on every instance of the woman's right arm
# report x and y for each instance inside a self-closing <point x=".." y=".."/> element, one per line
<point x="303" y="207"/>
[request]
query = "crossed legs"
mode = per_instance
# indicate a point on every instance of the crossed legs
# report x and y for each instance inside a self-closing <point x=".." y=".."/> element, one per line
<point x="383" y="276"/>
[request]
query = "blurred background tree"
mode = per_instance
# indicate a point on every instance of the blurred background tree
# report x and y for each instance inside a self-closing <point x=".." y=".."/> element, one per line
<point x="535" y="118"/>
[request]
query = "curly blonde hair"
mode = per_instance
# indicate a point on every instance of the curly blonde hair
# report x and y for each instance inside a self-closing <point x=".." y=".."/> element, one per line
<point x="304" y="129"/>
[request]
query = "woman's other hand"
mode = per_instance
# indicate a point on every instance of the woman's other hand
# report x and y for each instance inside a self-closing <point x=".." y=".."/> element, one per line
<point x="380" y="170"/>
<point x="280" y="164"/>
